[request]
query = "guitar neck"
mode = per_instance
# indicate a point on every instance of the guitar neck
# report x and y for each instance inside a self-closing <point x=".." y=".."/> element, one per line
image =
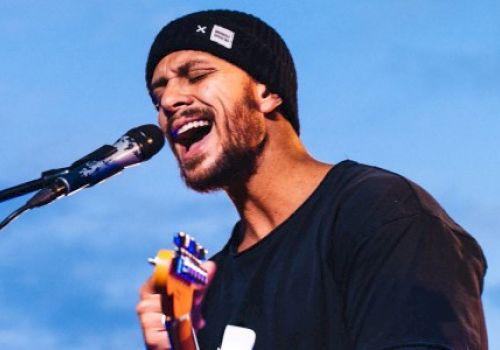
<point x="176" y="275"/>
<point x="181" y="334"/>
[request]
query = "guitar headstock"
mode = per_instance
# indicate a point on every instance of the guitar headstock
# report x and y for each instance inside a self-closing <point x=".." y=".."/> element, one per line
<point x="178" y="273"/>
<point x="188" y="259"/>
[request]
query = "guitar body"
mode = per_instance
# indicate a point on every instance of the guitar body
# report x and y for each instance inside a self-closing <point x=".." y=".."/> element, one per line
<point x="177" y="275"/>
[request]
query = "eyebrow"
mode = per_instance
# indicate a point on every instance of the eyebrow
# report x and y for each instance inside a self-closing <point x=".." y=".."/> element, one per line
<point x="184" y="68"/>
<point x="158" y="83"/>
<point x="182" y="71"/>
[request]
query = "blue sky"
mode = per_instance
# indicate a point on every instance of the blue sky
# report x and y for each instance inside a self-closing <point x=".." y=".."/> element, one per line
<point x="412" y="86"/>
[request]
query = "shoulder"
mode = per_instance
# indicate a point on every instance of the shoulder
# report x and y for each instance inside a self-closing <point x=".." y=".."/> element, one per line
<point x="374" y="202"/>
<point x="381" y="206"/>
<point x="375" y="196"/>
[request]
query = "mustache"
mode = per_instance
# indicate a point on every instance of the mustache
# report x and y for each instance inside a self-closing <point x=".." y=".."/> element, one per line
<point x="203" y="113"/>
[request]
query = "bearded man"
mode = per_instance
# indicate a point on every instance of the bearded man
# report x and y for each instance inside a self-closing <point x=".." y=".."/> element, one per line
<point x="324" y="256"/>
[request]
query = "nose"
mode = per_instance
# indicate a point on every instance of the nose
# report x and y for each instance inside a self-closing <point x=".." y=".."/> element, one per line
<point x="176" y="96"/>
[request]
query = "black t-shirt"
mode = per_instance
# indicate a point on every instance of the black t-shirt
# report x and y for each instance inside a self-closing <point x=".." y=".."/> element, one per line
<point x="368" y="261"/>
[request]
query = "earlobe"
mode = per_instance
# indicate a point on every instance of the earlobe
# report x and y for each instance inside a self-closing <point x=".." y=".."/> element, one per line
<point x="267" y="100"/>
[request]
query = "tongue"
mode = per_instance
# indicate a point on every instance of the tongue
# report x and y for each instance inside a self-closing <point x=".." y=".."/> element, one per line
<point x="193" y="135"/>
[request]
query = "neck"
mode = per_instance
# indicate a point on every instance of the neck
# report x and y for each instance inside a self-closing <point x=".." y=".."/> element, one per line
<point x="286" y="176"/>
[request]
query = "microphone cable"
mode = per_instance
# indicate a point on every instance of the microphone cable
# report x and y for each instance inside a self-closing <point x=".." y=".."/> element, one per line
<point x="14" y="215"/>
<point x="42" y="197"/>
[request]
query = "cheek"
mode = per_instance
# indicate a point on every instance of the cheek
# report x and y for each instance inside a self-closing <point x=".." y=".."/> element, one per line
<point x="215" y="95"/>
<point x="206" y="90"/>
<point x="207" y="95"/>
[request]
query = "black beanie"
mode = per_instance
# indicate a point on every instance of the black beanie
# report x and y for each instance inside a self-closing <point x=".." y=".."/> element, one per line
<point x="239" y="38"/>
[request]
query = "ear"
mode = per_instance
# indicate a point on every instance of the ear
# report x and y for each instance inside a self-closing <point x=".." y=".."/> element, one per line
<point x="267" y="101"/>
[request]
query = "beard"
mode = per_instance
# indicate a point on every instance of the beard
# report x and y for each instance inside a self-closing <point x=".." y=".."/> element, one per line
<point x="238" y="160"/>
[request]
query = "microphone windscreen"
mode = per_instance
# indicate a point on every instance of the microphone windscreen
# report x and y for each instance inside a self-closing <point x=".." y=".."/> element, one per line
<point x="149" y="137"/>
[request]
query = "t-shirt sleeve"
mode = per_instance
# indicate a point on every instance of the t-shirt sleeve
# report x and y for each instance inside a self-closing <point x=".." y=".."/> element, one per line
<point x="414" y="282"/>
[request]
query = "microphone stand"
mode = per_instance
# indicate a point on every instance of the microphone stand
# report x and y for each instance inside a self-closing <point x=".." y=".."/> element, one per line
<point x="34" y="185"/>
<point x="46" y="194"/>
<point x="48" y="176"/>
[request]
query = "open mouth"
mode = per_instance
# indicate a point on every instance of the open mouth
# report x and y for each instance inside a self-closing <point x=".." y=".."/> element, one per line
<point x="192" y="132"/>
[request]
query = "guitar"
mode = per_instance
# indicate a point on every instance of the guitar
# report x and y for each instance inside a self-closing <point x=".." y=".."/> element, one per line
<point x="176" y="275"/>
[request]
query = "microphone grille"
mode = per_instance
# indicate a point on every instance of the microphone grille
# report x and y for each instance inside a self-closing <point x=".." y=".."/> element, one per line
<point x="150" y="139"/>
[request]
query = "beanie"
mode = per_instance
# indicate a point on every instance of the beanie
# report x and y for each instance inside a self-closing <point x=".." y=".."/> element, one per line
<point x="239" y="38"/>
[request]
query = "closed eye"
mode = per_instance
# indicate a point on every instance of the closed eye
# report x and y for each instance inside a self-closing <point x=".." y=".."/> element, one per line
<point x="156" y="102"/>
<point x="197" y="75"/>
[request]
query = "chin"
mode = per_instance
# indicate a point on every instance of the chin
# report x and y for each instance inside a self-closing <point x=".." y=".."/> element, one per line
<point x="202" y="177"/>
<point x="232" y="167"/>
<point x="201" y="183"/>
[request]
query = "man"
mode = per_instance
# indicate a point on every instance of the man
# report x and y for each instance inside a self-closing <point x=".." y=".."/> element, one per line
<point x="324" y="257"/>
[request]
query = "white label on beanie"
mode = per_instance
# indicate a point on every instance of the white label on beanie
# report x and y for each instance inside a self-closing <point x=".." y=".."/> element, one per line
<point x="222" y="36"/>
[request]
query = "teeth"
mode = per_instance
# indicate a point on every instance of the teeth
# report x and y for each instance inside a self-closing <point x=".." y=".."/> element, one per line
<point x="191" y="125"/>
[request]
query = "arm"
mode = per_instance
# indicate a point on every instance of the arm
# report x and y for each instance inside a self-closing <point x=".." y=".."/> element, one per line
<point x="415" y="282"/>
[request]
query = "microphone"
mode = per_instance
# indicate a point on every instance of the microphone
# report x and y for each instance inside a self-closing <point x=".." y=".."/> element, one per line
<point x="137" y="145"/>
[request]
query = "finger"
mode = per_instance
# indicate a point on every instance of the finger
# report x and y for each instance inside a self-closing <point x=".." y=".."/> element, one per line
<point x="211" y="268"/>
<point x="151" y="318"/>
<point x="148" y="287"/>
<point x="149" y="303"/>
<point x="153" y="330"/>
<point x="152" y="321"/>
<point x="199" y="294"/>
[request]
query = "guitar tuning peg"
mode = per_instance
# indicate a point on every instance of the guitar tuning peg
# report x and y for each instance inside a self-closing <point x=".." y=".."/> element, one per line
<point x="178" y="238"/>
<point x="185" y="239"/>
<point x="153" y="261"/>
<point x="182" y="239"/>
<point x="187" y="242"/>
<point x="201" y="253"/>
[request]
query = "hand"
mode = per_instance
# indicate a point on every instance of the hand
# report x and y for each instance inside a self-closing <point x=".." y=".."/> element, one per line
<point x="199" y="294"/>
<point x="151" y="315"/>
<point x="149" y="310"/>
